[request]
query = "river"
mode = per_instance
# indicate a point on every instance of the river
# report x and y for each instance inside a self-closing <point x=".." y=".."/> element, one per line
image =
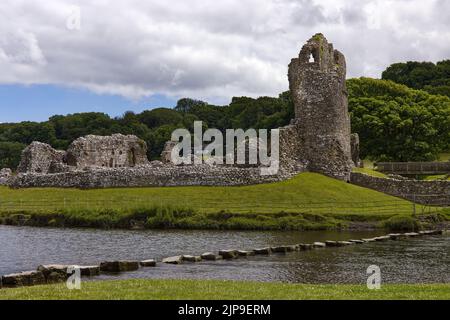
<point x="413" y="260"/>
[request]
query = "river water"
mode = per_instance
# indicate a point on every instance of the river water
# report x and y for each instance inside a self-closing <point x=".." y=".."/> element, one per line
<point x="415" y="260"/>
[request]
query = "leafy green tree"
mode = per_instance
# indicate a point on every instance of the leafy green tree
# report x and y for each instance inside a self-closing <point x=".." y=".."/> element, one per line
<point x="160" y="117"/>
<point x="10" y="153"/>
<point x="433" y="78"/>
<point x="396" y="123"/>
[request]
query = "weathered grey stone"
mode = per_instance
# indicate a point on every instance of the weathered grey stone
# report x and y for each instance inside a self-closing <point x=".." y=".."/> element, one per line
<point x="414" y="190"/>
<point x="281" y="249"/>
<point x="173" y="260"/>
<point x="228" y="254"/>
<point x="395" y="236"/>
<point x="89" y="271"/>
<point x="148" y="263"/>
<point x="305" y="246"/>
<point x="5" y="174"/>
<point x="166" y="175"/>
<point x="190" y="258"/>
<point x="28" y="278"/>
<point x="321" y="109"/>
<point x="54" y="272"/>
<point x="319" y="245"/>
<point x="211" y="256"/>
<point x="331" y="243"/>
<point x="39" y="158"/>
<point x="245" y="253"/>
<point x="166" y="155"/>
<point x="411" y="234"/>
<point x="119" y="266"/>
<point x="382" y="238"/>
<point x="369" y="240"/>
<point x="114" y="151"/>
<point x="262" y="251"/>
<point x="344" y="243"/>
<point x="357" y="241"/>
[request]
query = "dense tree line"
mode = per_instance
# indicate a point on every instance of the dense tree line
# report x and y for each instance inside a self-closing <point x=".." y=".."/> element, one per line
<point x="394" y="122"/>
<point x="433" y="78"/>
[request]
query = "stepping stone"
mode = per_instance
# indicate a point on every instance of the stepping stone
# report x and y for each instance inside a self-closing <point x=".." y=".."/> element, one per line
<point x="28" y="278"/>
<point x="190" y="258"/>
<point x="263" y="251"/>
<point x="357" y="241"/>
<point x="89" y="271"/>
<point x="395" y="236"/>
<point x="344" y="243"/>
<point x="305" y="246"/>
<point x="382" y="238"/>
<point x="119" y="266"/>
<point x="330" y="243"/>
<point x="293" y="247"/>
<point x="148" y="263"/>
<point x="54" y="273"/>
<point x="369" y="240"/>
<point x="319" y="245"/>
<point x="173" y="260"/>
<point x="281" y="249"/>
<point x="243" y="253"/>
<point x="411" y="234"/>
<point x="228" y="254"/>
<point x="211" y="256"/>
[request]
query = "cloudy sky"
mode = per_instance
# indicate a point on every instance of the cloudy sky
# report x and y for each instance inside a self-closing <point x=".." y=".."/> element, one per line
<point x="64" y="56"/>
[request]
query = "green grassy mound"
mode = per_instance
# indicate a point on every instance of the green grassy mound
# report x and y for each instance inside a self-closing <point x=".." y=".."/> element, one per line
<point x="224" y="290"/>
<point x="308" y="201"/>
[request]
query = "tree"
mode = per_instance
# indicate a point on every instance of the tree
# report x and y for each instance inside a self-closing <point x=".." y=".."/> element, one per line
<point x="433" y="78"/>
<point x="397" y="123"/>
<point x="10" y="153"/>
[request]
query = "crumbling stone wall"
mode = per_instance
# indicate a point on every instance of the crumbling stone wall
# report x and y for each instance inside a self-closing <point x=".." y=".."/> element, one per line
<point x="152" y="175"/>
<point x="317" y="85"/>
<point x="421" y="191"/>
<point x="5" y="174"/>
<point x="114" y="151"/>
<point x="166" y="154"/>
<point x="39" y="158"/>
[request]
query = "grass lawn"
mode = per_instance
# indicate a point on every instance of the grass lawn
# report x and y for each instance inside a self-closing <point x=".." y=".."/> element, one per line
<point x="306" y="192"/>
<point x="370" y="172"/>
<point x="309" y="201"/>
<point x="225" y="290"/>
<point x="444" y="156"/>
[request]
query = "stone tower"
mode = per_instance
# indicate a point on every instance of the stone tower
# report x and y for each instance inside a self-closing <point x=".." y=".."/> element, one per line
<point x="317" y="85"/>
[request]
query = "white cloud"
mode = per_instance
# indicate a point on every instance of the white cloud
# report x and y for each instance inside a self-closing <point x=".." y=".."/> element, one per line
<point x="207" y="49"/>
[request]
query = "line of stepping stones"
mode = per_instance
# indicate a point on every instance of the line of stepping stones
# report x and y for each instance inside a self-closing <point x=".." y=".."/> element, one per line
<point x="46" y="274"/>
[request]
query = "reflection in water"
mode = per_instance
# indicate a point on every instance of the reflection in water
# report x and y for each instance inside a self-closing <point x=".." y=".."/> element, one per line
<point x="408" y="261"/>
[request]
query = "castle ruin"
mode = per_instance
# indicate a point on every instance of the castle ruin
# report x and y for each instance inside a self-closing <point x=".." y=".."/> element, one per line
<point x="317" y="86"/>
<point x="90" y="152"/>
<point x="318" y="140"/>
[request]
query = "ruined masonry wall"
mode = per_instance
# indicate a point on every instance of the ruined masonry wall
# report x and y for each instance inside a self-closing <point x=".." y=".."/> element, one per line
<point x="419" y="190"/>
<point x="150" y="176"/>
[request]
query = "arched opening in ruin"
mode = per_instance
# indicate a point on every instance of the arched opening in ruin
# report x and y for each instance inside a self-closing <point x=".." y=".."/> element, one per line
<point x="311" y="58"/>
<point x="132" y="157"/>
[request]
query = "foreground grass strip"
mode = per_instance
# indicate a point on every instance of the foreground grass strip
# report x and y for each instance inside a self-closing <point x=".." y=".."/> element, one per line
<point x="225" y="290"/>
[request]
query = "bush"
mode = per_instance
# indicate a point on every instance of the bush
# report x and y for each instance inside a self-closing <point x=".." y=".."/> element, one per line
<point x="402" y="223"/>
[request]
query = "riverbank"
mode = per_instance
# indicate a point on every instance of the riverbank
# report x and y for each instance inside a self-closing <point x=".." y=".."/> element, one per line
<point x="307" y="202"/>
<point x="224" y="290"/>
